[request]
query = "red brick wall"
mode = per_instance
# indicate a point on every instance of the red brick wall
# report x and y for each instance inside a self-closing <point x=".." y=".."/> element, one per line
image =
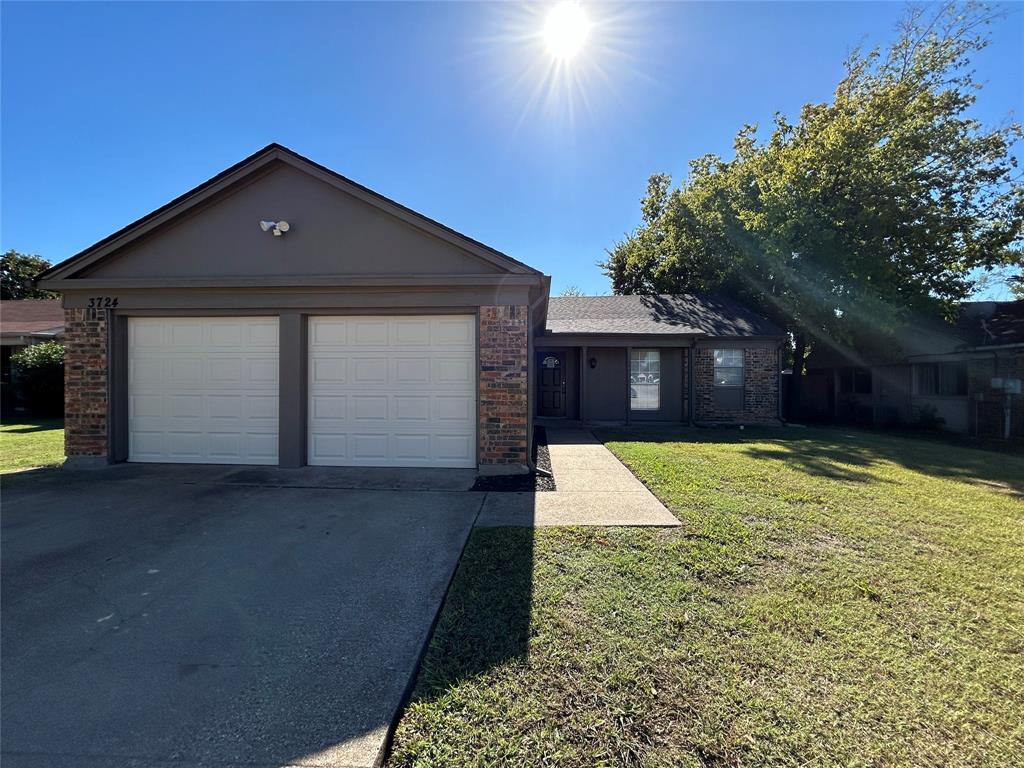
<point x="85" y="382"/>
<point x="503" y="385"/>
<point x="760" y="402"/>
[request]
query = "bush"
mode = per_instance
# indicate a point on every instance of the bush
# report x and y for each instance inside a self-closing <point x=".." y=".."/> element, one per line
<point x="39" y="378"/>
<point x="928" y="418"/>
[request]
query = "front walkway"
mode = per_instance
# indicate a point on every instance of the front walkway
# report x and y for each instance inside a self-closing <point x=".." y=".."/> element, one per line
<point x="593" y="488"/>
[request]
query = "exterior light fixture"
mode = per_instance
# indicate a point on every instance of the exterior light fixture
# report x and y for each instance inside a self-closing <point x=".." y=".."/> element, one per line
<point x="593" y="362"/>
<point x="277" y="227"/>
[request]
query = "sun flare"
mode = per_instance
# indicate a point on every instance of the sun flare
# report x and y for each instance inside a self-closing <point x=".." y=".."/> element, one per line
<point x="566" y="30"/>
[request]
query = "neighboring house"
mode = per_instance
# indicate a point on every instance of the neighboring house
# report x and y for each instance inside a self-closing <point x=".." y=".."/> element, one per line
<point x="365" y="334"/>
<point x="965" y="374"/>
<point x="24" y="322"/>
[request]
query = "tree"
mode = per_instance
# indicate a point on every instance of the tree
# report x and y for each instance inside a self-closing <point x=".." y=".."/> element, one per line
<point x="1017" y="288"/>
<point x="39" y="375"/>
<point x="870" y="207"/>
<point x="17" y="270"/>
<point x="571" y="290"/>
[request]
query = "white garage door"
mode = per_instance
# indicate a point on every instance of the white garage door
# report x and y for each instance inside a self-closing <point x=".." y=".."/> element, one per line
<point x="203" y="390"/>
<point x="392" y="391"/>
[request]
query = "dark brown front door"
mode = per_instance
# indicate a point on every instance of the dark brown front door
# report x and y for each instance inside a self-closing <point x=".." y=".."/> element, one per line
<point x="551" y="394"/>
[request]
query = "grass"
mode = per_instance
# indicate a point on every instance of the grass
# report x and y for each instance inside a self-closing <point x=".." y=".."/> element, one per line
<point x="834" y="598"/>
<point x="28" y="444"/>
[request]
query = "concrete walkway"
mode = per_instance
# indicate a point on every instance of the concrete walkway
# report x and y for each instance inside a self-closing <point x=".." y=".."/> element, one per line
<point x="594" y="488"/>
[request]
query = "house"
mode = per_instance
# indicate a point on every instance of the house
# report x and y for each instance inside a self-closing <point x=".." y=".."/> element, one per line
<point x="24" y="322"/>
<point x="963" y="376"/>
<point x="700" y="359"/>
<point x="283" y="314"/>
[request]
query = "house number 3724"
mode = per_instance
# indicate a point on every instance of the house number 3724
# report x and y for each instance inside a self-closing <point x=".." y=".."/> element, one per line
<point x="102" y="302"/>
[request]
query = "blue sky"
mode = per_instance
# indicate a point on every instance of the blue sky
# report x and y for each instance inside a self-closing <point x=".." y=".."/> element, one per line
<point x="110" y="110"/>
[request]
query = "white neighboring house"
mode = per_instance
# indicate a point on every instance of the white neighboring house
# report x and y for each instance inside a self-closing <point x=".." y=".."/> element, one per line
<point x="24" y="322"/>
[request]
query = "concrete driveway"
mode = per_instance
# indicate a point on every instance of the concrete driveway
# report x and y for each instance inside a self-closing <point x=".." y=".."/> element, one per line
<point x="196" y="616"/>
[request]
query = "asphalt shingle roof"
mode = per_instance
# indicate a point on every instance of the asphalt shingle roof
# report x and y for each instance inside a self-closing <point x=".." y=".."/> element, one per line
<point x="31" y="316"/>
<point x="683" y="314"/>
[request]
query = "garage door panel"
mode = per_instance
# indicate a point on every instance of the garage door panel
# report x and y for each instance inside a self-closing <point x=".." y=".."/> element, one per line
<point x="410" y="371"/>
<point x="329" y="370"/>
<point x="412" y="447"/>
<point x="455" y="448"/>
<point x="183" y="372"/>
<point x="373" y="408"/>
<point x="410" y="408"/>
<point x="448" y="333"/>
<point x="455" y="408"/>
<point x="203" y="390"/>
<point x="392" y="391"/>
<point x="187" y="334"/>
<point x="262" y="409"/>
<point x="368" y="333"/>
<point x="368" y="371"/>
<point x="453" y="370"/>
<point x="327" y="407"/>
<point x="412" y="332"/>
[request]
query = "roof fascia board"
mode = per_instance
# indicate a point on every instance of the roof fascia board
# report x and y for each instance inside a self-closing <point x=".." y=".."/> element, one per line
<point x="313" y="281"/>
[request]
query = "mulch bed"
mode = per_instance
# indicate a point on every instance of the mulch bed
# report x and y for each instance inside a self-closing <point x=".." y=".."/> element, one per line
<point x="522" y="483"/>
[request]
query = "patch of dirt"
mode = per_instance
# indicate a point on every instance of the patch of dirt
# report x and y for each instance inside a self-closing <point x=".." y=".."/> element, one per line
<point x="523" y="483"/>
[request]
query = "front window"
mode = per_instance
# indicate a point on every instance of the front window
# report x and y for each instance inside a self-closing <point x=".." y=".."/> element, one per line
<point x="855" y="381"/>
<point x="645" y="380"/>
<point x="947" y="379"/>
<point x="728" y="367"/>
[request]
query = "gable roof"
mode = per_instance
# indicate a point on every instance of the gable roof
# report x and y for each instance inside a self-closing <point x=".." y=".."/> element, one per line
<point x="254" y="164"/>
<point x="31" y="316"/>
<point x="665" y="314"/>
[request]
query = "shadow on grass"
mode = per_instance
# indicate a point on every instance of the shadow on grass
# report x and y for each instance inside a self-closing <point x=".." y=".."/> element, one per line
<point x="35" y="425"/>
<point x="485" y="621"/>
<point x="852" y="455"/>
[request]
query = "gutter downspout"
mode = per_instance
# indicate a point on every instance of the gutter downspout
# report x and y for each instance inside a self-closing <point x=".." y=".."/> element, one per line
<point x="530" y="375"/>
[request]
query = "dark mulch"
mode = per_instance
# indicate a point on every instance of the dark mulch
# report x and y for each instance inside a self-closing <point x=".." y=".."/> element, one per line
<point x="522" y="483"/>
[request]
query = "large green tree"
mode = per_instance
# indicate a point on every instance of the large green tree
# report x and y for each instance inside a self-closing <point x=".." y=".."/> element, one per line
<point x="871" y="206"/>
<point x="17" y="271"/>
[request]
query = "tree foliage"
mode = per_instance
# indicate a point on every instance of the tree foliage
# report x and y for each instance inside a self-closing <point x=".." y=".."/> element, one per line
<point x="868" y="207"/>
<point x="39" y="374"/>
<point x="17" y="270"/>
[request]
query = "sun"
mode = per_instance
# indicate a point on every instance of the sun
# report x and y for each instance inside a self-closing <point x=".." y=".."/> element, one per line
<point x="566" y="30"/>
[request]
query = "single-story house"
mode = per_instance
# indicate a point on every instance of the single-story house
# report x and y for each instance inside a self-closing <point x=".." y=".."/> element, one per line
<point x="24" y="322"/>
<point x="280" y="313"/>
<point x="963" y="376"/>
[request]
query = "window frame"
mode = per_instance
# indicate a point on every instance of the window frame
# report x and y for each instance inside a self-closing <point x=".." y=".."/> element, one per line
<point x="938" y="376"/>
<point x="742" y="367"/>
<point x="634" y="354"/>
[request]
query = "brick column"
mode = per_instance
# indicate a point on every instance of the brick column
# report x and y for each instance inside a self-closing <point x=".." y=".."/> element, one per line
<point x="503" y="389"/>
<point x="85" y="383"/>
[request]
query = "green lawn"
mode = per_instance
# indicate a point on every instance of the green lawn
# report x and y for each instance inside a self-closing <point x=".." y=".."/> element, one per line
<point x="27" y="444"/>
<point x="834" y="598"/>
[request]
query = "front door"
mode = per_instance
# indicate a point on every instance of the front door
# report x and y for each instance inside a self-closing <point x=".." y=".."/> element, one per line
<point x="551" y="394"/>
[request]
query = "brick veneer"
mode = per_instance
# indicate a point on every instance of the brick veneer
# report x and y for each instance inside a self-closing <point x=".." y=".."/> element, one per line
<point x="85" y="382"/>
<point x="760" y="387"/>
<point x="503" y="386"/>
